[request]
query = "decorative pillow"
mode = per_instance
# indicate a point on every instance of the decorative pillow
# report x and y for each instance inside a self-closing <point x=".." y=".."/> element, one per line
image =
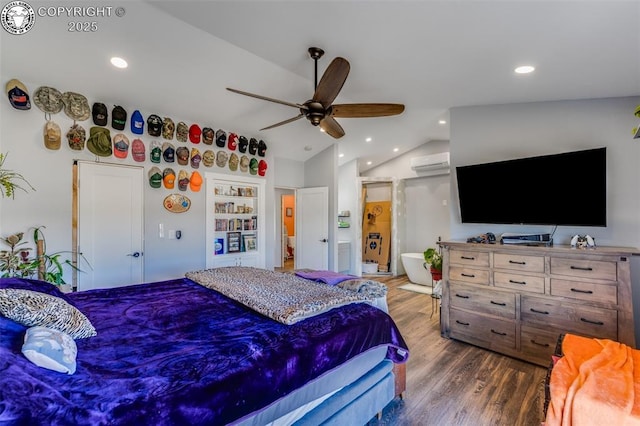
<point x="34" y="285"/>
<point x="50" y="349"/>
<point x="32" y="308"/>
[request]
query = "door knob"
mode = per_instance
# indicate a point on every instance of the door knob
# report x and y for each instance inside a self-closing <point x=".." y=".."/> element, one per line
<point x="324" y="240"/>
<point x="135" y="254"/>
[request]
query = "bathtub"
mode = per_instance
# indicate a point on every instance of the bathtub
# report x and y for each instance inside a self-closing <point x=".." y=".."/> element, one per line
<point x="413" y="266"/>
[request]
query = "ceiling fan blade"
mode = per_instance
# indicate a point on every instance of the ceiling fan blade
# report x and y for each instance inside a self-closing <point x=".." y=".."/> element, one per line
<point x="331" y="127"/>
<point x="253" y="95"/>
<point x="332" y="81"/>
<point x="283" y="122"/>
<point x="366" y="110"/>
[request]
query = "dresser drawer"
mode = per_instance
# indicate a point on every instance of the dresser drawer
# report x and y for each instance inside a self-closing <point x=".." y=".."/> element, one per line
<point x="469" y="258"/>
<point x="518" y="282"/>
<point x="483" y="300"/>
<point x="518" y="262"/>
<point x="537" y="344"/>
<point x="584" y="268"/>
<point x="468" y="275"/>
<point x="589" y="320"/>
<point x="491" y="333"/>
<point x="585" y="291"/>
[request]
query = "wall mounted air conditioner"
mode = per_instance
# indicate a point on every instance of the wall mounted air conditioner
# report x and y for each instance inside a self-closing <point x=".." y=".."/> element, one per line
<point x="431" y="165"/>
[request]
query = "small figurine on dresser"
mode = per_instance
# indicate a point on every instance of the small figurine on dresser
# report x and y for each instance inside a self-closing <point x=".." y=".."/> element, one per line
<point x="582" y="241"/>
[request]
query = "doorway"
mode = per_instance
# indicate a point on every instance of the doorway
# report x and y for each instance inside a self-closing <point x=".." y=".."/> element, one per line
<point x="288" y="236"/>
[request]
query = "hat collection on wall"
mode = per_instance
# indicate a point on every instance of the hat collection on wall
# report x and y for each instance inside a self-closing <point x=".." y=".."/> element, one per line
<point x="232" y="149"/>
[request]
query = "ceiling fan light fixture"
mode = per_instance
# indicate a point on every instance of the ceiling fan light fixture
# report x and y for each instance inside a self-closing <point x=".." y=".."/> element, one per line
<point x="524" y="69"/>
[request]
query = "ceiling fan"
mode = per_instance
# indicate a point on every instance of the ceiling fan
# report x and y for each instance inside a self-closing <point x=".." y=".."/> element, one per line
<point x="319" y="109"/>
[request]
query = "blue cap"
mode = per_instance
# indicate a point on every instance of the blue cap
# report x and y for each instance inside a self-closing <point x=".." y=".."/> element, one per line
<point x="137" y="123"/>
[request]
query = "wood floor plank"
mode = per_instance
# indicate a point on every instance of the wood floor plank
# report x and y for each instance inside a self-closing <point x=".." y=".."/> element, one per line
<point x="454" y="383"/>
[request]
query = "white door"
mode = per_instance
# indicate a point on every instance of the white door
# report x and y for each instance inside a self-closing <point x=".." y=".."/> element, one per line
<point x="110" y="225"/>
<point x="312" y="228"/>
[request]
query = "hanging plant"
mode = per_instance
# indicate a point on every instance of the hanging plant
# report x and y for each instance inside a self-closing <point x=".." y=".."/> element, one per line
<point x="10" y="180"/>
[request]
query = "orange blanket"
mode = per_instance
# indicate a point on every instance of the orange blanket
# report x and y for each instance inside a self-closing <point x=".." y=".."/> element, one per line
<point x="595" y="383"/>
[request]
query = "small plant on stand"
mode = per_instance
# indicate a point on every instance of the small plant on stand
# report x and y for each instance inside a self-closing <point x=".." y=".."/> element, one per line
<point x="433" y="258"/>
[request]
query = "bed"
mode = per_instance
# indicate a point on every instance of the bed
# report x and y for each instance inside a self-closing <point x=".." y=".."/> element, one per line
<point x="181" y="352"/>
<point x="592" y="382"/>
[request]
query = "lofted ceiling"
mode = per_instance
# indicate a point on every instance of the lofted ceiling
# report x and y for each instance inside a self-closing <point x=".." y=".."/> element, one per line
<point x="429" y="55"/>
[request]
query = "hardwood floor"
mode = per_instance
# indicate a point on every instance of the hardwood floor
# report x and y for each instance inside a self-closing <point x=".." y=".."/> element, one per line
<point x="453" y="383"/>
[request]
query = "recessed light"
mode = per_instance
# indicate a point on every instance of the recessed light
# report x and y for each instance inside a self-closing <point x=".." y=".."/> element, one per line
<point x="341" y="155"/>
<point x="525" y="69"/>
<point x="308" y="148"/>
<point x="119" y="62"/>
<point x="396" y="149"/>
<point x="368" y="140"/>
<point x="442" y="122"/>
<point x="368" y="163"/>
<point x="321" y="129"/>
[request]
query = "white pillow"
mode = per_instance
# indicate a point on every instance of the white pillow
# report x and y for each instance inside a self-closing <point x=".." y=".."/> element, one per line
<point x="50" y="349"/>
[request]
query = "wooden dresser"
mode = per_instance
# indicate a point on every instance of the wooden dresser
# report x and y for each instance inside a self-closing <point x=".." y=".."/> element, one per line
<point x="517" y="300"/>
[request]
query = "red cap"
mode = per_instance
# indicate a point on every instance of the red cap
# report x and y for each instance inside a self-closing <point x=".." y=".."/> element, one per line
<point x="194" y="133"/>
<point x="262" y="167"/>
<point x="232" y="141"/>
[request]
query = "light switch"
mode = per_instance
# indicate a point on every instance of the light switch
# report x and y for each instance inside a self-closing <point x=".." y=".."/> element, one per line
<point x="161" y="230"/>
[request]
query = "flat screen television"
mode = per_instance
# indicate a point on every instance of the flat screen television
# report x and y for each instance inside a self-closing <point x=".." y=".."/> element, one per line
<point x="561" y="189"/>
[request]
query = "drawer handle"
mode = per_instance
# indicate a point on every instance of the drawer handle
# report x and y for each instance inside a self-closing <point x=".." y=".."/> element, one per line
<point x="546" y="345"/>
<point x="591" y="322"/>
<point x="498" y="303"/>
<point x="581" y="268"/>
<point x="515" y="262"/>
<point x="498" y="333"/>
<point x="461" y="296"/>
<point x="468" y="275"/>
<point x="467" y="258"/>
<point x="462" y="323"/>
<point x="577" y="290"/>
<point x="539" y="312"/>
<point x="518" y="282"/>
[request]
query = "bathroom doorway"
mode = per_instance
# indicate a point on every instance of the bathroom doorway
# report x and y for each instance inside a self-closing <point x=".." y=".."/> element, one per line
<point x="288" y="235"/>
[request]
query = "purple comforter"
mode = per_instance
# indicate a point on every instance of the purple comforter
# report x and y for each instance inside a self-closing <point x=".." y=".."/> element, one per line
<point x="175" y="352"/>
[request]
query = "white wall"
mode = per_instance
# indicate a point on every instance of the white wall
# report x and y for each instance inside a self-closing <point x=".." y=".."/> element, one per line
<point x="348" y="200"/>
<point x="500" y="132"/>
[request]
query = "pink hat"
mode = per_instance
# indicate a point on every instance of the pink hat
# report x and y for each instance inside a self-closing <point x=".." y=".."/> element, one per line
<point x="137" y="150"/>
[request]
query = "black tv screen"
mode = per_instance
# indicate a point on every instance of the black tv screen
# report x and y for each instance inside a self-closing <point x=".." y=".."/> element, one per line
<point x="561" y="189"/>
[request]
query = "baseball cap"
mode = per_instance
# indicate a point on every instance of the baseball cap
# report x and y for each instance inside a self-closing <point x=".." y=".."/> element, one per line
<point x="221" y="138"/>
<point x="232" y="142"/>
<point x="262" y="148"/>
<point x="253" y="166"/>
<point x="262" y="167"/>
<point x="76" y="137"/>
<point x="207" y="135"/>
<point x="99" y="141"/>
<point x="208" y="158"/>
<point x="183" y="180"/>
<point x="196" y="181"/>
<point x="233" y="162"/>
<point x="154" y="125"/>
<point x="243" y="142"/>
<point x="221" y="158"/>
<point x="48" y="99"/>
<point x="137" y="150"/>
<point x="155" y="177"/>
<point x="99" y="113"/>
<point x="168" y="152"/>
<point x="156" y="152"/>
<point x="118" y="117"/>
<point x="182" y="132"/>
<point x="183" y="155"/>
<point x="52" y="135"/>
<point x="169" y="178"/>
<point x="18" y="94"/>
<point x="168" y="127"/>
<point x="195" y="158"/>
<point x="137" y="123"/>
<point x="253" y="146"/>
<point x="194" y="133"/>
<point x="120" y="146"/>
<point x="244" y="164"/>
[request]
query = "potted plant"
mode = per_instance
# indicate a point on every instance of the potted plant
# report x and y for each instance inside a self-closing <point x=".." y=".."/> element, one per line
<point x="433" y="258"/>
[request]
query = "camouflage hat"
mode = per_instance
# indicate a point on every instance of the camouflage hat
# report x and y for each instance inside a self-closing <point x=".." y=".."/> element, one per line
<point x="99" y="142"/>
<point x="155" y="152"/>
<point x="76" y="106"/>
<point x="168" y="128"/>
<point x="52" y="135"/>
<point x="221" y="138"/>
<point x="253" y="166"/>
<point x="244" y="164"/>
<point x="233" y="162"/>
<point x="207" y="135"/>
<point x="183" y="155"/>
<point x="243" y="142"/>
<point x="208" y="158"/>
<point x="183" y="180"/>
<point x="195" y="158"/>
<point x="76" y="137"/>
<point x="48" y="99"/>
<point x="182" y="132"/>
<point x="221" y="158"/>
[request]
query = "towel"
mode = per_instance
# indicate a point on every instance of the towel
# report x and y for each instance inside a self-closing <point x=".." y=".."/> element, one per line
<point x="327" y="277"/>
